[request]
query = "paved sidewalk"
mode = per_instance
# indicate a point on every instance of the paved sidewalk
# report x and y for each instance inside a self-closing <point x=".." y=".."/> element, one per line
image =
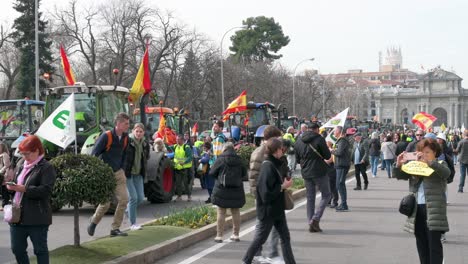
<point x="371" y="232"/>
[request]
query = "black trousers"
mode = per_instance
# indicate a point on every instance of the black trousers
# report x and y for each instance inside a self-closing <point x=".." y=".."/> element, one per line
<point x="331" y="173"/>
<point x="428" y="242"/>
<point x="358" y="170"/>
<point x="262" y="230"/>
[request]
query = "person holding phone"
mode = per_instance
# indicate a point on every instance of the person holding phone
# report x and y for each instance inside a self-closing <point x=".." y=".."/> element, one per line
<point x="32" y="189"/>
<point x="429" y="219"/>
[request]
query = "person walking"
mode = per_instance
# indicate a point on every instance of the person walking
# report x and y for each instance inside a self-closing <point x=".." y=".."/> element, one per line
<point x="228" y="192"/>
<point x="4" y="174"/>
<point x="388" y="150"/>
<point x="207" y="160"/>
<point x="462" y="150"/>
<point x="135" y="170"/>
<point x="429" y="218"/>
<point x="256" y="159"/>
<point x="311" y="152"/>
<point x="374" y="152"/>
<point x="33" y="187"/>
<point x="111" y="147"/>
<point x="270" y="204"/>
<point x="360" y="158"/>
<point x="182" y="166"/>
<point x="342" y="165"/>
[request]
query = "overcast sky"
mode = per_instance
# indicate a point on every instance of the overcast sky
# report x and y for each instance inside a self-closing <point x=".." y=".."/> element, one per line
<point x="339" y="34"/>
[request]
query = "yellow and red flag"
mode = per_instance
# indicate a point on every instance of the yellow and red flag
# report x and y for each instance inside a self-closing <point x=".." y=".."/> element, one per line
<point x="142" y="83"/>
<point x="66" y="67"/>
<point x="162" y="126"/>
<point x="239" y="104"/>
<point x="423" y="120"/>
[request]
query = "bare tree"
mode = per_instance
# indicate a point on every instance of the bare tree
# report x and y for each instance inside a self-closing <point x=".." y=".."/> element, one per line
<point x="9" y="61"/>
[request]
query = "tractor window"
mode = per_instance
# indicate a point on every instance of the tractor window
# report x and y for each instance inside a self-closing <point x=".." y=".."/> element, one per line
<point x="12" y="121"/>
<point x="112" y="104"/>
<point x="36" y="116"/>
<point x="85" y="109"/>
<point x="258" y="117"/>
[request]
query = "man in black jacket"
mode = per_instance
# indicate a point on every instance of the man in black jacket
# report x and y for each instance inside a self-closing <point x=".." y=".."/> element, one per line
<point x="312" y="151"/>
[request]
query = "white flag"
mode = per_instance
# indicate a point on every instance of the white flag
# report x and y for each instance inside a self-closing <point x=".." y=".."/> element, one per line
<point x="60" y="128"/>
<point x="338" y="120"/>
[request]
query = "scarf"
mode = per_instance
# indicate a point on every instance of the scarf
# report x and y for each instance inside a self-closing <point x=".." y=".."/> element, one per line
<point x="136" y="167"/>
<point x="27" y="167"/>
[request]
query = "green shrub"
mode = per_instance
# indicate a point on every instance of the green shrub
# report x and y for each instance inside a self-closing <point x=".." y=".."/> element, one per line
<point x="245" y="151"/>
<point x="298" y="183"/>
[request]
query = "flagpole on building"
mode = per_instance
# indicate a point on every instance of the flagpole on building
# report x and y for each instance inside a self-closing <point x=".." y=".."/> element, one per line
<point x="36" y="37"/>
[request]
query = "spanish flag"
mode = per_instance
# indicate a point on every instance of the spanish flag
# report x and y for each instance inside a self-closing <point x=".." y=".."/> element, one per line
<point x="66" y="67"/>
<point x="195" y="129"/>
<point x="142" y="83"/>
<point x="239" y="104"/>
<point x="423" y="120"/>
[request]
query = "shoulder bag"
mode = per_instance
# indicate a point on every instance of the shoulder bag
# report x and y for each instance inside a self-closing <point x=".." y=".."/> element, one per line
<point x="407" y="205"/>
<point x="288" y="197"/>
<point x="12" y="212"/>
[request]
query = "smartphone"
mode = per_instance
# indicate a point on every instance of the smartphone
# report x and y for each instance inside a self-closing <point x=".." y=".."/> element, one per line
<point x="410" y="156"/>
<point x="10" y="183"/>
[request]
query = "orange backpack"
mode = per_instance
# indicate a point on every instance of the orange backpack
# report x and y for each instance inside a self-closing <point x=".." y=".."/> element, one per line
<point x="110" y="139"/>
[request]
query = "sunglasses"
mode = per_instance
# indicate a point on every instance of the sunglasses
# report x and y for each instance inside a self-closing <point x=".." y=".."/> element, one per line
<point x="419" y="135"/>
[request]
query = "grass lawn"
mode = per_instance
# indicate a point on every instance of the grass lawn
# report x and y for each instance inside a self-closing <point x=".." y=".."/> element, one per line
<point x="108" y="248"/>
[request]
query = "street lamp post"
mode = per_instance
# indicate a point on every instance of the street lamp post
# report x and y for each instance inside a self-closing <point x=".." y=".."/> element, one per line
<point x="293" y="82"/>
<point x="36" y="47"/>
<point x="222" y="79"/>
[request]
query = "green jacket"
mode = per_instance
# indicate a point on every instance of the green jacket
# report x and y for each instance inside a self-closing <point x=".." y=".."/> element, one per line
<point x="435" y="186"/>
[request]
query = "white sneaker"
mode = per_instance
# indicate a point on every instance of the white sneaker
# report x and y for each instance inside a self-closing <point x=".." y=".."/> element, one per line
<point x="135" y="227"/>
<point x="261" y="260"/>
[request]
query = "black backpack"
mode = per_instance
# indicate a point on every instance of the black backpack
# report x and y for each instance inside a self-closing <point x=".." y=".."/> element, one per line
<point x="229" y="180"/>
<point x="449" y="161"/>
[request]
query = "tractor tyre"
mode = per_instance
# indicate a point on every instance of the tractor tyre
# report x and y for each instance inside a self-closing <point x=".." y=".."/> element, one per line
<point x="160" y="185"/>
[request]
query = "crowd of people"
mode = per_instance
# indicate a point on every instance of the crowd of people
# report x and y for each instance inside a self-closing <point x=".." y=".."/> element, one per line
<point x="324" y="165"/>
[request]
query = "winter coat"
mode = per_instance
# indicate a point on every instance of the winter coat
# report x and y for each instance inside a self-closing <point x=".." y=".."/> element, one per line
<point x="363" y="151"/>
<point x="130" y="156"/>
<point x="462" y="150"/>
<point x="374" y="147"/>
<point x="231" y="164"/>
<point x="400" y="147"/>
<point x="270" y="198"/>
<point x="256" y="159"/>
<point x="342" y="153"/>
<point x="412" y="146"/>
<point x="388" y="150"/>
<point x="434" y="191"/>
<point x="312" y="165"/>
<point x="35" y="204"/>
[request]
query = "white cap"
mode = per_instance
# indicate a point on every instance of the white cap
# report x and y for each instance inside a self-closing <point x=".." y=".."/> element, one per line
<point x="442" y="136"/>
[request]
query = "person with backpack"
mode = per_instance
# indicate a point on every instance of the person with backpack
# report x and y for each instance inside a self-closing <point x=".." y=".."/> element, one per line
<point x="228" y="192"/>
<point x="111" y="147"/>
<point x="135" y="170"/>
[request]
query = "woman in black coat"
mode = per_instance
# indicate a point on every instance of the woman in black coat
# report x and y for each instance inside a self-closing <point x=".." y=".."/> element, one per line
<point x="32" y="190"/>
<point x="228" y="192"/>
<point x="270" y="203"/>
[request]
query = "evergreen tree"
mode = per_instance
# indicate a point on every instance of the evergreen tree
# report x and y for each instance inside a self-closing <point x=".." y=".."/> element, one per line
<point x="190" y="80"/>
<point x="24" y="38"/>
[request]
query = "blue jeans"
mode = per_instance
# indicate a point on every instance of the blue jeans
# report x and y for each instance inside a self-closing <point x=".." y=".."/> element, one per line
<point x="19" y="243"/>
<point x="341" y="173"/>
<point x="463" y="168"/>
<point x="324" y="187"/>
<point x="388" y="166"/>
<point x="374" y="161"/>
<point x="136" y="195"/>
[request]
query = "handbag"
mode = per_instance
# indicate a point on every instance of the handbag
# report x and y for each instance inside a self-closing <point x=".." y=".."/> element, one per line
<point x="407" y="205"/>
<point x="288" y="197"/>
<point x="12" y="212"/>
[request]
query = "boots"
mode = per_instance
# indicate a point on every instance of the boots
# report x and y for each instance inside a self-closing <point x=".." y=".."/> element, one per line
<point x="314" y="227"/>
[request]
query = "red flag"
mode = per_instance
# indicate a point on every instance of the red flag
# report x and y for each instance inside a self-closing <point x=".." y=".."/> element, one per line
<point x="195" y="129"/>
<point x="423" y="120"/>
<point x="239" y="104"/>
<point x="66" y="67"/>
<point x="142" y="83"/>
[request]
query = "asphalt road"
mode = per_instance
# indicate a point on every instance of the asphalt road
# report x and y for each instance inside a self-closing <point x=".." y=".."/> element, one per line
<point x="371" y="232"/>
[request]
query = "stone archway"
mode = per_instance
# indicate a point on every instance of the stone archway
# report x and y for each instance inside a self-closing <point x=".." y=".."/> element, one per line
<point x="441" y="115"/>
<point x="404" y="116"/>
